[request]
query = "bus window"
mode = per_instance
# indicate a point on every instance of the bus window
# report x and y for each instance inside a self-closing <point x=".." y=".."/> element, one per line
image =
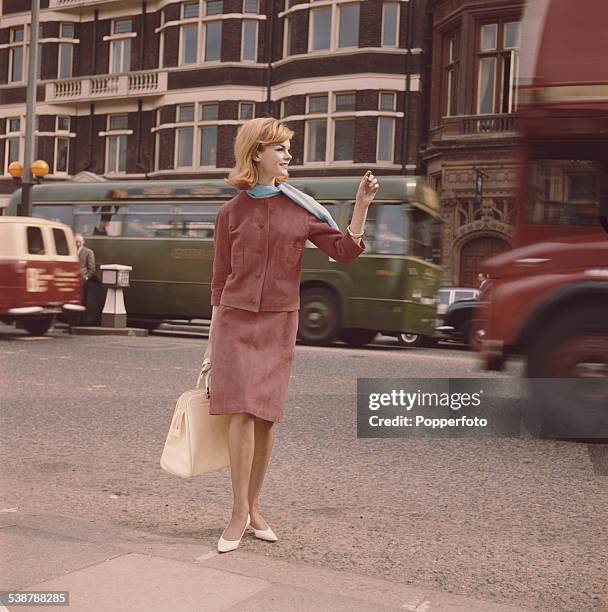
<point x="426" y="236"/>
<point x="195" y="221"/>
<point x="386" y="229"/>
<point x="62" y="214"/>
<point x="565" y="185"/>
<point x="148" y="221"/>
<point x="99" y="220"/>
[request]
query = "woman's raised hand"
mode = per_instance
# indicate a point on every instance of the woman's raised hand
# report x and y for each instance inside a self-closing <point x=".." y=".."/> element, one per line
<point x="367" y="189"/>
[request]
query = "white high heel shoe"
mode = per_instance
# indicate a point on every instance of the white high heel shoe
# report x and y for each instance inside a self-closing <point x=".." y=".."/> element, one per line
<point x="265" y="534"/>
<point x="227" y="545"/>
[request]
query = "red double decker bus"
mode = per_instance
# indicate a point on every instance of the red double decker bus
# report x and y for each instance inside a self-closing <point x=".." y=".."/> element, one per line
<point x="548" y="298"/>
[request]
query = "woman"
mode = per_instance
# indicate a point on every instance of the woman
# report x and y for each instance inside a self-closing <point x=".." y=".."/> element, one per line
<point x="258" y="241"/>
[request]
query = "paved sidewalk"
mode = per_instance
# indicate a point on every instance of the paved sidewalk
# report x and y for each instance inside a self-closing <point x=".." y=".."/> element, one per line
<point x="107" y="568"/>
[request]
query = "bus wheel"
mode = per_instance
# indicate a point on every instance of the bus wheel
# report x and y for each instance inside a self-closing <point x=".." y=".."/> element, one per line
<point x="357" y="337"/>
<point x="573" y="348"/>
<point x="319" y="320"/>
<point x="38" y="326"/>
<point x="407" y="339"/>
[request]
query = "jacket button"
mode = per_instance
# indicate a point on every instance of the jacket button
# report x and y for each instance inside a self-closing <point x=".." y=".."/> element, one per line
<point x="258" y="274"/>
<point x="253" y="301"/>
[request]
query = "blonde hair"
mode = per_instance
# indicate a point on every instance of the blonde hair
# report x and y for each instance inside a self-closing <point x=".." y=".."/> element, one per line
<point x="253" y="136"/>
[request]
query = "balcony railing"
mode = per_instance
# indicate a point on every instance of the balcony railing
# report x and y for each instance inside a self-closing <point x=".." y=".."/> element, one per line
<point x="107" y="86"/>
<point x="476" y="125"/>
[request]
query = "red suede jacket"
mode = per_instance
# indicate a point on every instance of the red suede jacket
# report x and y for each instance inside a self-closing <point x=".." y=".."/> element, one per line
<point x="258" y="247"/>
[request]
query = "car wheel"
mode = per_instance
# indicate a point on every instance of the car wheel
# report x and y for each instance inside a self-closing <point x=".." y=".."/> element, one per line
<point x="408" y="339"/>
<point x="319" y="319"/>
<point x="357" y="337"/>
<point x="38" y="326"/>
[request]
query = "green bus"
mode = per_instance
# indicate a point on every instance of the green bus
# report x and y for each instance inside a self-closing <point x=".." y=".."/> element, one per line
<point x="164" y="230"/>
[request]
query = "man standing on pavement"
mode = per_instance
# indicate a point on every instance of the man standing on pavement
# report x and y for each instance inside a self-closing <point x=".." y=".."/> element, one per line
<point x="87" y="269"/>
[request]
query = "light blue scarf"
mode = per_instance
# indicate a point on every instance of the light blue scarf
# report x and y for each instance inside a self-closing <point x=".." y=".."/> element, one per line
<point x="297" y="196"/>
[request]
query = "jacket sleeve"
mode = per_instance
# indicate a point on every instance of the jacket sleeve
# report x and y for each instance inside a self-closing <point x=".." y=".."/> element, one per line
<point x="90" y="264"/>
<point x="339" y="246"/>
<point x="221" y="256"/>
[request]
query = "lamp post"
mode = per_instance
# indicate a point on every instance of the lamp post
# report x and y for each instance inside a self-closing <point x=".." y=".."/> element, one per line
<point x="39" y="169"/>
<point x="30" y="112"/>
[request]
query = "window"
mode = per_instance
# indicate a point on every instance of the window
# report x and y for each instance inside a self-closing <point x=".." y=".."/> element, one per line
<point x="250" y="6"/>
<point x="13" y="140"/>
<point x="61" y="242"/>
<point x="288" y="37"/>
<point x="321" y="28"/>
<point x="387" y="229"/>
<point x="96" y="220"/>
<point x="60" y="213"/>
<point x="195" y="221"/>
<point x="246" y="110"/>
<point x="348" y="35"/>
<point x="451" y="76"/>
<point x="185" y="136"/>
<point x="116" y="154"/>
<point x="215" y="7"/>
<point x="147" y="221"/>
<point x="66" y="51"/>
<point x="250" y="38"/>
<point x="213" y="41"/>
<point x="209" y="145"/>
<point x="62" y="144"/>
<point x="390" y="24"/>
<point x="189" y="35"/>
<point x="35" y="243"/>
<point x="567" y="183"/>
<point x="332" y="136"/>
<point x="498" y="65"/>
<point x="121" y="47"/>
<point x="387" y="101"/>
<point x="16" y="55"/>
<point x="63" y="124"/>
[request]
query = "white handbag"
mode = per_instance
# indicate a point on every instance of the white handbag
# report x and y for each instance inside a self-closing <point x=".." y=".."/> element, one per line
<point x="197" y="441"/>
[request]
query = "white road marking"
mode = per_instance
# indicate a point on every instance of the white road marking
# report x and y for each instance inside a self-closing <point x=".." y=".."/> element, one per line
<point x="207" y="556"/>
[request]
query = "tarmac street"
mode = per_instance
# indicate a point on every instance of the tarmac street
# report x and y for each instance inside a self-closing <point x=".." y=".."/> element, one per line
<point x="363" y="524"/>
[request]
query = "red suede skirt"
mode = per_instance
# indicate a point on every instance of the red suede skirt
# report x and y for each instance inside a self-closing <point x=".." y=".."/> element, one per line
<point x="251" y="358"/>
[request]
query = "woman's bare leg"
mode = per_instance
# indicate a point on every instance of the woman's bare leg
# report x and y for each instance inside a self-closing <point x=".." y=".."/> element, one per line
<point x="241" y="440"/>
<point x="264" y="440"/>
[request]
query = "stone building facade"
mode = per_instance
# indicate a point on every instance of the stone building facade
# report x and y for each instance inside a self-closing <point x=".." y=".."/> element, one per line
<point x="158" y="89"/>
<point x="473" y="129"/>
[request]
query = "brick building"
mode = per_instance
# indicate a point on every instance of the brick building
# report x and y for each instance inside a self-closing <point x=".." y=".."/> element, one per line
<point x="158" y="89"/>
<point x="473" y="128"/>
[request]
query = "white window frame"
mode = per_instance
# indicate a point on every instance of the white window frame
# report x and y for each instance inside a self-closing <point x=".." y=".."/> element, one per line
<point x="253" y="109"/>
<point x="330" y="116"/>
<point x="204" y="41"/>
<point x="339" y="8"/>
<point x="257" y="10"/>
<point x="196" y="125"/>
<point x="288" y="24"/>
<point x="334" y="27"/>
<point x="66" y="135"/>
<point x="13" y="46"/>
<point x="396" y="45"/>
<point x="255" y="40"/>
<point x="199" y="128"/>
<point x="8" y="136"/>
<point x="111" y="134"/>
<point x="65" y="41"/>
<point x="120" y="38"/>
<point x="392" y="155"/>
<point x="186" y="23"/>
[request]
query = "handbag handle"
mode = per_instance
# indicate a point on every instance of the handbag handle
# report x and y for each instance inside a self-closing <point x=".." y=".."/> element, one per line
<point x="198" y="380"/>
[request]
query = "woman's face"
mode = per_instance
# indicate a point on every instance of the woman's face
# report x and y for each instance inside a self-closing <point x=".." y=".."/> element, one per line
<point x="273" y="160"/>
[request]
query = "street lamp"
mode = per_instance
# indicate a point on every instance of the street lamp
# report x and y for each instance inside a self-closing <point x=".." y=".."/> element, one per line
<point x="39" y="169"/>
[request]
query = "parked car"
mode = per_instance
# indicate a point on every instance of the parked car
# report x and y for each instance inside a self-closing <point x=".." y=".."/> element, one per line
<point x="39" y="273"/>
<point x="445" y="297"/>
<point x="461" y="324"/>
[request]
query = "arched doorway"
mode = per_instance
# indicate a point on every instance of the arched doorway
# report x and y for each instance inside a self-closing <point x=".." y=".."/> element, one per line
<point x="473" y="253"/>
